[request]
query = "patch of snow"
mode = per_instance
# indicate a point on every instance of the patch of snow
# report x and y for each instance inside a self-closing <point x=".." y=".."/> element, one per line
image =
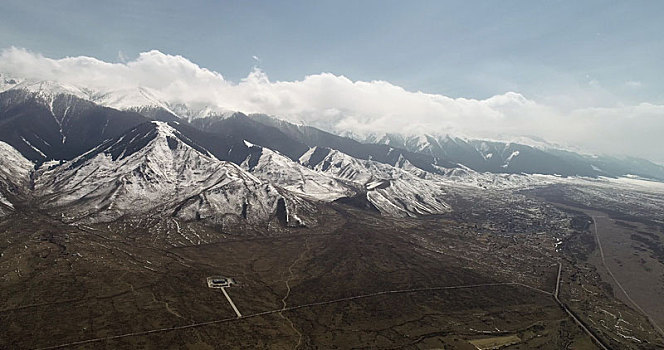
<point x="33" y="147"/>
<point x="5" y="201"/>
<point x="374" y="184"/>
<point x="514" y="154"/>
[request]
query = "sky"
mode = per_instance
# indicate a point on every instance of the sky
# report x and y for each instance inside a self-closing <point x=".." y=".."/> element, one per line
<point x="583" y="74"/>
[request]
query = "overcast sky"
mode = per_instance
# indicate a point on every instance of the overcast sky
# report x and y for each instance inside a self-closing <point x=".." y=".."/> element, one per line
<point x="587" y="74"/>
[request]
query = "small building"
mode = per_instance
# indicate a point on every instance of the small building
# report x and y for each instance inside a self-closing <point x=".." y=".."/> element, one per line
<point x="219" y="281"/>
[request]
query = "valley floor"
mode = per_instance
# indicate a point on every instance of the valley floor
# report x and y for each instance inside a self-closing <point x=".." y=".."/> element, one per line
<point x="358" y="281"/>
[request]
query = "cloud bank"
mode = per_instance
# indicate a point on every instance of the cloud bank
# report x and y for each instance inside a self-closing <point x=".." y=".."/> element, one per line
<point x="338" y="103"/>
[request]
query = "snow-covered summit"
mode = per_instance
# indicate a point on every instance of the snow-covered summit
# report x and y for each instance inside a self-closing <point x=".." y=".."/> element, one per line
<point x="131" y="99"/>
<point x="191" y="112"/>
<point x="49" y="90"/>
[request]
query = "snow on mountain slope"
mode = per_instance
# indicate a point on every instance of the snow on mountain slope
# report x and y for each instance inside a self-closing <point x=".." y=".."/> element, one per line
<point x="13" y="166"/>
<point x="154" y="169"/>
<point x="140" y="99"/>
<point x="190" y="112"/>
<point x="494" y="156"/>
<point x="131" y="99"/>
<point x="463" y="177"/>
<point x="4" y="204"/>
<point x="14" y="175"/>
<point x="47" y="91"/>
<point x="391" y="190"/>
<point x="146" y="101"/>
<point x="466" y="177"/>
<point x="7" y="82"/>
<point x="281" y="171"/>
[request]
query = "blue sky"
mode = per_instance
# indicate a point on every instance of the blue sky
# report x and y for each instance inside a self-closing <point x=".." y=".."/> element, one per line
<point x="462" y="49"/>
<point x="582" y="74"/>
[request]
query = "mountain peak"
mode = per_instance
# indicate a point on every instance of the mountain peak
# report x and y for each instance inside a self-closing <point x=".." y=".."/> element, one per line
<point x="132" y="99"/>
<point x="48" y="90"/>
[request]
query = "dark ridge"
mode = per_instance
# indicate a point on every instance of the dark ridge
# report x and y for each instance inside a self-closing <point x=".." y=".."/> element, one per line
<point x="239" y="126"/>
<point x="189" y="142"/>
<point x="229" y="148"/>
<point x="245" y="206"/>
<point x="125" y="145"/>
<point x="359" y="201"/>
<point x="74" y="127"/>
<point x="181" y="205"/>
<point x="326" y="165"/>
<point x="133" y="141"/>
<point x="255" y="154"/>
<point x="172" y="142"/>
<point x="282" y="213"/>
<point x="157" y="113"/>
<point x="318" y="155"/>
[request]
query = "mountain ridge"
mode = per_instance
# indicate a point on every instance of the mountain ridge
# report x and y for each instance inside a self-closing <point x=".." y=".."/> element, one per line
<point x="91" y="162"/>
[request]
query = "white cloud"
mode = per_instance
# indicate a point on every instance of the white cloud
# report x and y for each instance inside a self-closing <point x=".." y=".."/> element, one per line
<point x="337" y="102"/>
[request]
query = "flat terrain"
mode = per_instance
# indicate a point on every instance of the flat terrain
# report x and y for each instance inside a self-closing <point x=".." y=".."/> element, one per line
<point x="626" y="252"/>
<point x="631" y="260"/>
<point x="358" y="284"/>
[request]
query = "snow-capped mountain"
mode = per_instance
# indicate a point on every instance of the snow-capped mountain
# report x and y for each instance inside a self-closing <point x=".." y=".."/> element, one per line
<point x="271" y="166"/>
<point x="103" y="155"/>
<point x="48" y="91"/>
<point x="131" y="99"/>
<point x="529" y="157"/>
<point x="390" y="189"/>
<point x="155" y="169"/>
<point x="155" y="106"/>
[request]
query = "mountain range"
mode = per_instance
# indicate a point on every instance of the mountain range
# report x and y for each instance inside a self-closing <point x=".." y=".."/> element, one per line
<point x="98" y="156"/>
